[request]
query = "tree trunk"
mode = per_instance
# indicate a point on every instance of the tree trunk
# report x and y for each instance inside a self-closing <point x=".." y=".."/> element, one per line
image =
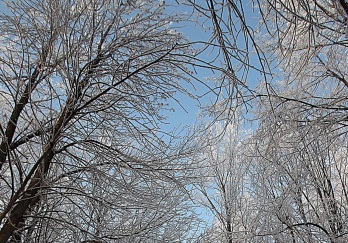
<point x="30" y="197"/>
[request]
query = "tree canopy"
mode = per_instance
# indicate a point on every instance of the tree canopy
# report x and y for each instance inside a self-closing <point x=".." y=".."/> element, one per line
<point x="86" y="154"/>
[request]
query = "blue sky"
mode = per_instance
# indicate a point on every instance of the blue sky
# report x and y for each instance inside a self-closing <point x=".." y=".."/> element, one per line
<point x="187" y="116"/>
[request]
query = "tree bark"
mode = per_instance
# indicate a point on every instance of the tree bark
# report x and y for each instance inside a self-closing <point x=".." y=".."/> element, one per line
<point x="30" y="197"/>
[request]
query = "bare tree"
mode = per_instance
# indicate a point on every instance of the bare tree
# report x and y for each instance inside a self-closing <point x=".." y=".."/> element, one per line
<point x="298" y="151"/>
<point x="83" y="90"/>
<point x="234" y="51"/>
<point x="223" y="187"/>
<point x="300" y="148"/>
<point x="300" y="178"/>
<point x="307" y="40"/>
<point x="82" y="155"/>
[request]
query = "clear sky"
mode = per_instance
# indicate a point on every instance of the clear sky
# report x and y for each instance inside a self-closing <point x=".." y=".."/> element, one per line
<point x="186" y="114"/>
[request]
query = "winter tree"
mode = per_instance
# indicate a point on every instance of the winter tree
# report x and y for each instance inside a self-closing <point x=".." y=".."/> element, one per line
<point x="224" y="186"/>
<point x="82" y="156"/>
<point x="297" y="154"/>
<point x="300" y="180"/>
<point x="299" y="145"/>
<point x="84" y="91"/>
